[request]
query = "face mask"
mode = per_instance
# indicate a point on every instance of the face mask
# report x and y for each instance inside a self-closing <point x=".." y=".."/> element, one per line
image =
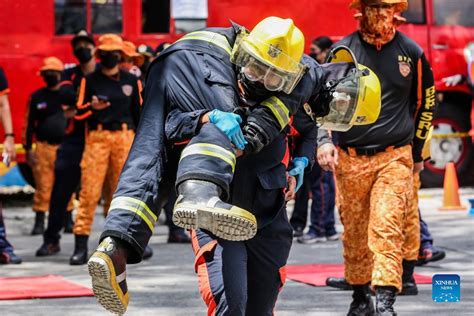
<point x="254" y="91"/>
<point x="377" y="25"/>
<point x="50" y="80"/>
<point x="109" y="60"/>
<point x="83" y="54"/>
<point x="313" y="55"/>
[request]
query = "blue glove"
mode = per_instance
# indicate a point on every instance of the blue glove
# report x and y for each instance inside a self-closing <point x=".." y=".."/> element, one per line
<point x="229" y="124"/>
<point x="299" y="164"/>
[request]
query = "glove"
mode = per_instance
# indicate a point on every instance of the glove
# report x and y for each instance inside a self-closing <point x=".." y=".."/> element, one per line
<point x="299" y="164"/>
<point x="229" y="124"/>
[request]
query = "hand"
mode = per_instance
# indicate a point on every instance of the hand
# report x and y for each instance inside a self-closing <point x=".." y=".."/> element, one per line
<point x="452" y="80"/>
<point x="69" y="111"/>
<point x="328" y="157"/>
<point x="9" y="147"/>
<point x="30" y="158"/>
<point x="418" y="167"/>
<point x="299" y="164"/>
<point x="97" y="104"/>
<point x="229" y="124"/>
<point x="290" y="193"/>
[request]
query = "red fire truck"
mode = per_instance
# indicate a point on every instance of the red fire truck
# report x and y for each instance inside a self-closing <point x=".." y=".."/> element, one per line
<point x="33" y="29"/>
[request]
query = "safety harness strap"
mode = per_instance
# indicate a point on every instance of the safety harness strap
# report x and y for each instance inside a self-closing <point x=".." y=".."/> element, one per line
<point x="136" y="206"/>
<point x="279" y="110"/>
<point x="210" y="150"/>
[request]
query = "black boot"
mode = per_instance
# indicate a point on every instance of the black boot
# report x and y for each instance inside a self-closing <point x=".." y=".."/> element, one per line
<point x="408" y="281"/>
<point x="38" y="228"/>
<point x="48" y="249"/>
<point x="199" y="206"/>
<point x="338" y="283"/>
<point x="385" y="297"/>
<point x="107" y="269"/>
<point x="362" y="304"/>
<point x="80" y="250"/>
<point x="68" y="223"/>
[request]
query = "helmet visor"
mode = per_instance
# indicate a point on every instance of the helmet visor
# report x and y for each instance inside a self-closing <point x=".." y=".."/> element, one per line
<point x="343" y="104"/>
<point x="256" y="69"/>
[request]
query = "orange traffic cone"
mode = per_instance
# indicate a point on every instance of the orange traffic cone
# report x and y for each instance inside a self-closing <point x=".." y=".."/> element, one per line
<point x="451" y="199"/>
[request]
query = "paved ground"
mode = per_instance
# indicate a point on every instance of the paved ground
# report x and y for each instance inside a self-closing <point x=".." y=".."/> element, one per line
<point x="166" y="284"/>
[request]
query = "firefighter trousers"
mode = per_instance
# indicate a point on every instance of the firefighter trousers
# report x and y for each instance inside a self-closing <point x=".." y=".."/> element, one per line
<point x="411" y="245"/>
<point x="104" y="150"/>
<point x="243" y="277"/>
<point x="375" y="197"/>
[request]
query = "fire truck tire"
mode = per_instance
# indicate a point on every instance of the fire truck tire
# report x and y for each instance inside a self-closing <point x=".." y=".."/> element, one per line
<point x="452" y="118"/>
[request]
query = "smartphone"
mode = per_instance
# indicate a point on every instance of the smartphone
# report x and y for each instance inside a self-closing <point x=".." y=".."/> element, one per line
<point x="103" y="98"/>
<point x="6" y="159"/>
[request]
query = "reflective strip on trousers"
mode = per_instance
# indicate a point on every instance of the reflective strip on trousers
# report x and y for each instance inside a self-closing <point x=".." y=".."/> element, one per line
<point x="136" y="206"/>
<point x="210" y="150"/>
<point x="211" y="37"/>
<point x="278" y="109"/>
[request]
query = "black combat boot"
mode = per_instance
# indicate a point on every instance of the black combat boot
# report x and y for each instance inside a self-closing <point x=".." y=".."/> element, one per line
<point x="338" y="283"/>
<point x="199" y="206"/>
<point x="362" y="304"/>
<point x="80" y="250"/>
<point x="38" y="228"/>
<point x="385" y="297"/>
<point x="107" y="269"/>
<point x="68" y="223"/>
<point x="408" y="281"/>
<point x="48" y="249"/>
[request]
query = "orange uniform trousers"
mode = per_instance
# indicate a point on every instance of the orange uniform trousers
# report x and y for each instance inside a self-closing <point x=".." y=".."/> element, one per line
<point x="104" y="155"/>
<point x="411" y="246"/>
<point x="375" y="194"/>
<point x="43" y="172"/>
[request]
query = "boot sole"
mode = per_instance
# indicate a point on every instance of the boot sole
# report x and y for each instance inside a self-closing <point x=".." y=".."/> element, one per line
<point x="235" y="225"/>
<point x="104" y="284"/>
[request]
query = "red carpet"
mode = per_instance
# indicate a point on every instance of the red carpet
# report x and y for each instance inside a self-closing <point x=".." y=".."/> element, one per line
<point x="48" y="286"/>
<point x="316" y="274"/>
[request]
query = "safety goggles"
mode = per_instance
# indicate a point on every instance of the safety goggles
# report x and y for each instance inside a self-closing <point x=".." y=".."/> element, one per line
<point x="257" y="70"/>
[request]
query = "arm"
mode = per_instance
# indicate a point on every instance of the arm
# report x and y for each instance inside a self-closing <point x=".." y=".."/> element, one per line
<point x="327" y="153"/>
<point x="181" y="126"/>
<point x="425" y="105"/>
<point x="136" y="104"/>
<point x="6" y="116"/>
<point x="29" y="129"/>
<point x="308" y="134"/>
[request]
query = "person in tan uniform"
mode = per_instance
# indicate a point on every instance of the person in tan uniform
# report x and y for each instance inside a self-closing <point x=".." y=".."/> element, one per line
<point x="46" y="122"/>
<point x="109" y="101"/>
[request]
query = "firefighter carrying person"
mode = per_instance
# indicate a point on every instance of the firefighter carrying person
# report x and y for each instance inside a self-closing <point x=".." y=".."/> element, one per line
<point x="46" y="123"/>
<point x="196" y="86"/>
<point x="109" y="101"/>
<point x="67" y="169"/>
<point x="374" y="164"/>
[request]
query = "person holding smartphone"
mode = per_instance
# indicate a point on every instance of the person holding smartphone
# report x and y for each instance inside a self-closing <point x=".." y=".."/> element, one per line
<point x="7" y="255"/>
<point x="109" y="102"/>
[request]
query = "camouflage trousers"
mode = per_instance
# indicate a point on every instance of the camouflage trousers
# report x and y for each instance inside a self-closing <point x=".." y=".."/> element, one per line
<point x="375" y="196"/>
<point x="104" y="155"/>
<point x="43" y="172"/>
<point x="411" y="246"/>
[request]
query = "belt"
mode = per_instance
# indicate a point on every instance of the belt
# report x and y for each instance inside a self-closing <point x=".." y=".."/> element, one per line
<point x="364" y="151"/>
<point x="110" y="127"/>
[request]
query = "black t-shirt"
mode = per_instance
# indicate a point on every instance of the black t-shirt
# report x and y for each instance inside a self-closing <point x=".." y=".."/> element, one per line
<point x="45" y="116"/>
<point x="408" y="94"/>
<point x="122" y="92"/>
<point x="3" y="83"/>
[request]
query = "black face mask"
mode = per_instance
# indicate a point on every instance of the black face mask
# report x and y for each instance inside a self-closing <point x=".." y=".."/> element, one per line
<point x="51" y="80"/>
<point x="83" y="54"/>
<point x="255" y="91"/>
<point x="313" y="55"/>
<point x="145" y="66"/>
<point x="109" y="60"/>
